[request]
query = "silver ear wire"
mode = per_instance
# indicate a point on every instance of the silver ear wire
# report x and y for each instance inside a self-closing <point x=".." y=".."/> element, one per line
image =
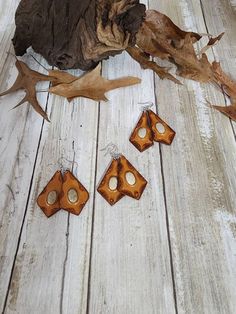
<point x="64" y="159"/>
<point x="149" y="104"/>
<point x="112" y="149"/>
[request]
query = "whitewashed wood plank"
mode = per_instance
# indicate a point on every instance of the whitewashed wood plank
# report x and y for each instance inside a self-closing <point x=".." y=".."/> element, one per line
<point x="233" y="4"/>
<point x="219" y="17"/>
<point x="130" y="264"/>
<point x="51" y="269"/>
<point x="19" y="134"/>
<point x="200" y="185"/>
<point x="130" y="269"/>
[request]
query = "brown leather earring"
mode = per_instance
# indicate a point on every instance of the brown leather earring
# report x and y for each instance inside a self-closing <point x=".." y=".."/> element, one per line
<point x="63" y="191"/>
<point x="150" y="128"/>
<point x="142" y="135"/>
<point x="108" y="186"/>
<point x="49" y="199"/>
<point x="161" y="130"/>
<point x="73" y="195"/>
<point x="120" y="179"/>
<point x="131" y="182"/>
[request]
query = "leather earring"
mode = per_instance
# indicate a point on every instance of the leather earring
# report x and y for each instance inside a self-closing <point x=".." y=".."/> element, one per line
<point x="73" y="195"/>
<point x="131" y="182"/>
<point x="108" y="186"/>
<point x="49" y="199"/>
<point x="142" y="135"/>
<point x="162" y="132"/>
<point x="120" y="179"/>
<point x="150" y="128"/>
<point x="63" y="191"/>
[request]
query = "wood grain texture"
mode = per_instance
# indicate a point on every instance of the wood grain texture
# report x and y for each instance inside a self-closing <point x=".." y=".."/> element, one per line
<point x="51" y="268"/>
<point x="18" y="147"/>
<point x="200" y="184"/>
<point x="176" y="244"/>
<point x="130" y="264"/>
<point x="219" y="17"/>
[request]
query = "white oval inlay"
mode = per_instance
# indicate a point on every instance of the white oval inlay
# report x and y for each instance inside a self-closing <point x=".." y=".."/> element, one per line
<point x="113" y="183"/>
<point x="160" y="128"/>
<point x="52" y="197"/>
<point x="130" y="178"/>
<point x="72" y="196"/>
<point x="142" y="132"/>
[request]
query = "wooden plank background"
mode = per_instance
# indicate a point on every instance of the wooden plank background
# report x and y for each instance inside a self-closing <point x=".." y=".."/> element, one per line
<point x="174" y="251"/>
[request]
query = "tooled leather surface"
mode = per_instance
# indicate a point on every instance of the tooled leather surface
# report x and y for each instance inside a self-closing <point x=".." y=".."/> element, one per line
<point x="136" y="190"/>
<point x="168" y="136"/>
<point x="55" y="184"/>
<point x="70" y="182"/>
<point x="142" y="143"/>
<point x="112" y="197"/>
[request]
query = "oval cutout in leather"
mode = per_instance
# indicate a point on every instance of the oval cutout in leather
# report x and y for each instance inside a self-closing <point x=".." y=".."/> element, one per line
<point x="72" y="196"/>
<point x="113" y="183"/>
<point x="142" y="132"/>
<point x="130" y="178"/>
<point x="52" y="197"/>
<point x="160" y="128"/>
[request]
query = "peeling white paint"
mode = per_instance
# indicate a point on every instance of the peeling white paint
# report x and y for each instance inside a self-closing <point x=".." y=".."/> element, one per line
<point x="188" y="17"/>
<point x="227" y="222"/>
<point x="203" y="118"/>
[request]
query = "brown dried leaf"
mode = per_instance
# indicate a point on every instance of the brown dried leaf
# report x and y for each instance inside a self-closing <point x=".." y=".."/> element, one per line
<point x="61" y="77"/>
<point x="229" y="111"/>
<point x="92" y="85"/>
<point x="160" y="37"/>
<point x="189" y="65"/>
<point x="145" y="63"/>
<point x="224" y="81"/>
<point x="159" y="26"/>
<point x="212" y="42"/>
<point x="27" y="80"/>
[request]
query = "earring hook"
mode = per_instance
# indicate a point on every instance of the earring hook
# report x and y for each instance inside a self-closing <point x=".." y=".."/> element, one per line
<point x="149" y="104"/>
<point x="60" y="163"/>
<point x="112" y="149"/>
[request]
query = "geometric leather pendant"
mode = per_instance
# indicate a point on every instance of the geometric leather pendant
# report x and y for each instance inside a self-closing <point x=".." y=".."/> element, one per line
<point x="130" y="182"/>
<point x="108" y="186"/>
<point x="49" y="199"/>
<point x="73" y="196"/>
<point x="142" y="136"/>
<point x="161" y="131"/>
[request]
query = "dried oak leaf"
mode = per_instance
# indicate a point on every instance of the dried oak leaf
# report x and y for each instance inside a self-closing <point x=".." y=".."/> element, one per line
<point x="161" y="38"/>
<point x="61" y="77"/>
<point x="229" y="87"/>
<point x="91" y="85"/>
<point x="27" y="80"/>
<point x="224" y="81"/>
<point x="146" y="63"/>
<point x="158" y="26"/>
<point x="212" y="42"/>
<point x="229" y="111"/>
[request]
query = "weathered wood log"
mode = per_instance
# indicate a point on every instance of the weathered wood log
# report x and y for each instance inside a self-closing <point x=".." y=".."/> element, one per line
<point x="77" y="33"/>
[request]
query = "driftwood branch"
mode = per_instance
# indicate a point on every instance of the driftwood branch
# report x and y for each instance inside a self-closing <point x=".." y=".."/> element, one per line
<point x="75" y="33"/>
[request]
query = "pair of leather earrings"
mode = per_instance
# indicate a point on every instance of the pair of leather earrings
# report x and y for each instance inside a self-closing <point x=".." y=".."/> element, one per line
<point x="63" y="191"/>
<point x="121" y="179"/>
<point x="149" y="129"/>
